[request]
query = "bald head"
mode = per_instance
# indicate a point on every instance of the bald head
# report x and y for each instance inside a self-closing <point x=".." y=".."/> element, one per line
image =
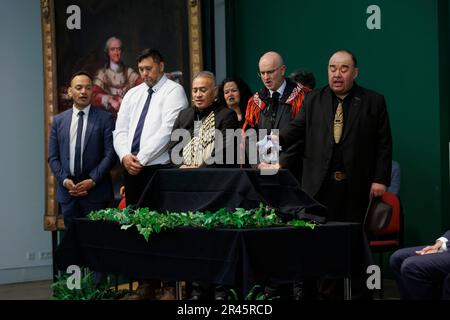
<point x="272" y="56"/>
<point x="272" y="70"/>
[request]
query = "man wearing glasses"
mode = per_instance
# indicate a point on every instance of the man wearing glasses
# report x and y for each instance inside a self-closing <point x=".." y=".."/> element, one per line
<point x="275" y="105"/>
<point x="272" y="108"/>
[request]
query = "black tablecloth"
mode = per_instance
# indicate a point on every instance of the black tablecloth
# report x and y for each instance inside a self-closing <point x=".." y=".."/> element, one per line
<point x="179" y="190"/>
<point x="223" y="256"/>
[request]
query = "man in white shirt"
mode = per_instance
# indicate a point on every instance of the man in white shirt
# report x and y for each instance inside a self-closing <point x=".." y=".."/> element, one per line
<point x="420" y="272"/>
<point x="145" y="122"/>
<point x="142" y="135"/>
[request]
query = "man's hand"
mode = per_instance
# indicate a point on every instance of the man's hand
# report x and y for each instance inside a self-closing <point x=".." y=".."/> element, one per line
<point x="122" y="191"/>
<point x="81" y="189"/>
<point x="184" y="166"/>
<point x="377" y="190"/>
<point x="68" y="184"/>
<point x="275" y="166"/>
<point x="430" y="249"/>
<point x="132" y="164"/>
<point x="85" y="185"/>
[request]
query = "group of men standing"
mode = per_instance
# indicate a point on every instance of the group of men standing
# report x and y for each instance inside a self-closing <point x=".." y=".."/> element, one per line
<point x="335" y="140"/>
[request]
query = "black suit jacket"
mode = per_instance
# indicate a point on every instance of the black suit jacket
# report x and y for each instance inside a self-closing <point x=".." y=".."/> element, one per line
<point x="289" y="157"/>
<point x="366" y="141"/>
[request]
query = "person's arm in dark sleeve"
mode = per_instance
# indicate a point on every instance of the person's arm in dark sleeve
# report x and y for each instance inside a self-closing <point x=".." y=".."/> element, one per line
<point x="294" y="132"/>
<point x="54" y="158"/>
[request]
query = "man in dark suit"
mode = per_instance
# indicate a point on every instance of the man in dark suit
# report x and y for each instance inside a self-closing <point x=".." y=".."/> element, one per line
<point x="274" y="106"/>
<point x="202" y="123"/>
<point x="81" y="153"/>
<point x="210" y="115"/>
<point x="346" y="142"/>
<point x="345" y="139"/>
<point x="423" y="273"/>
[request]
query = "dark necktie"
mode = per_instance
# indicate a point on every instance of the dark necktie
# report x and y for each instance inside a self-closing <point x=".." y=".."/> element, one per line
<point x="274" y="107"/>
<point x="137" y="134"/>
<point x="78" y="145"/>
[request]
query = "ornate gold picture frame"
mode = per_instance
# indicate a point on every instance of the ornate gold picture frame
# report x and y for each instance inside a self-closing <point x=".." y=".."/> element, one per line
<point x="73" y="38"/>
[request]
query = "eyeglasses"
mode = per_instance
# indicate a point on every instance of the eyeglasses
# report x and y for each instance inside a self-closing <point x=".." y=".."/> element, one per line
<point x="268" y="72"/>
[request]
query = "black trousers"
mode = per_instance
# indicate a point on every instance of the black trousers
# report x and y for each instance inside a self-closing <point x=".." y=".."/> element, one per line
<point x="334" y="195"/>
<point x="135" y="185"/>
<point x="341" y="207"/>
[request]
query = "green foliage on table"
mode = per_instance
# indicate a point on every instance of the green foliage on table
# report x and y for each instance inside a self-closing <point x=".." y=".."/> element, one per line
<point x="88" y="289"/>
<point x="256" y="293"/>
<point x="149" y="222"/>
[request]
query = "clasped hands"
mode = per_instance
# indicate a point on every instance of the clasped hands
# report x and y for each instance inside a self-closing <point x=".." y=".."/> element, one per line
<point x="131" y="163"/>
<point x="80" y="189"/>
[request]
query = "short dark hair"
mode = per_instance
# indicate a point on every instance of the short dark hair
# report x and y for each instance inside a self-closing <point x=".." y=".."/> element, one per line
<point x="355" y="62"/>
<point x="304" y="77"/>
<point x="150" y="53"/>
<point x="81" y="73"/>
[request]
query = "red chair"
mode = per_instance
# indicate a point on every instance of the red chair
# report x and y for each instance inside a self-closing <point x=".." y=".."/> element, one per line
<point x="122" y="203"/>
<point x="390" y="238"/>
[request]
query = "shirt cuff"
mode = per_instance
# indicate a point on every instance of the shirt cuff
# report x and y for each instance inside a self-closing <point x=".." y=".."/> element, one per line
<point x="444" y="244"/>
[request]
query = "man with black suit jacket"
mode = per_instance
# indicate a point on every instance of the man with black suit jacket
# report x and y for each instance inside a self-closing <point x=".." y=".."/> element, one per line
<point x="81" y="153"/>
<point x="423" y="273"/>
<point x="274" y="106"/>
<point x="345" y="140"/>
<point x="203" y="121"/>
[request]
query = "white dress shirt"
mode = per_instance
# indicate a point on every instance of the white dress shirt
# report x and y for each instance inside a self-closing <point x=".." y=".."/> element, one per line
<point x="167" y="101"/>
<point x="73" y="136"/>
<point x="280" y="89"/>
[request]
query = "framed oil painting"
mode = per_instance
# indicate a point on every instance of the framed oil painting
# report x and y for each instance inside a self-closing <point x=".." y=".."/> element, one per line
<point x="104" y="37"/>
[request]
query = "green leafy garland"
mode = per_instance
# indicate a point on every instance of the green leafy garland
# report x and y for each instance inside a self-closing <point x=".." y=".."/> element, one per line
<point x="148" y="222"/>
<point x="88" y="289"/>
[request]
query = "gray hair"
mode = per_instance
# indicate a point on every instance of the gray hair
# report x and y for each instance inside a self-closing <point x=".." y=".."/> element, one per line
<point x="205" y="74"/>
<point x="108" y="42"/>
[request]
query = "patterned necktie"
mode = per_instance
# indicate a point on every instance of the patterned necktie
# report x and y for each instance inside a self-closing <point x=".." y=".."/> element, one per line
<point x="137" y="134"/>
<point x="274" y="106"/>
<point x="338" y="122"/>
<point x="77" y="168"/>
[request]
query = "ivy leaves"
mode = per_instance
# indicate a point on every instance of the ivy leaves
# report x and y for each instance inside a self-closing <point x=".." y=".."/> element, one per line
<point x="149" y="222"/>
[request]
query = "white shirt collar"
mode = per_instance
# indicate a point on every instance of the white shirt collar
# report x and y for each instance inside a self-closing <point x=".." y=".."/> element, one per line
<point x="85" y="110"/>
<point x="160" y="83"/>
<point x="280" y="89"/>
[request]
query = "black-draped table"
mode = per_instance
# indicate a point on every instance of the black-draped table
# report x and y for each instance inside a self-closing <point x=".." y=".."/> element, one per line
<point x="235" y="257"/>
